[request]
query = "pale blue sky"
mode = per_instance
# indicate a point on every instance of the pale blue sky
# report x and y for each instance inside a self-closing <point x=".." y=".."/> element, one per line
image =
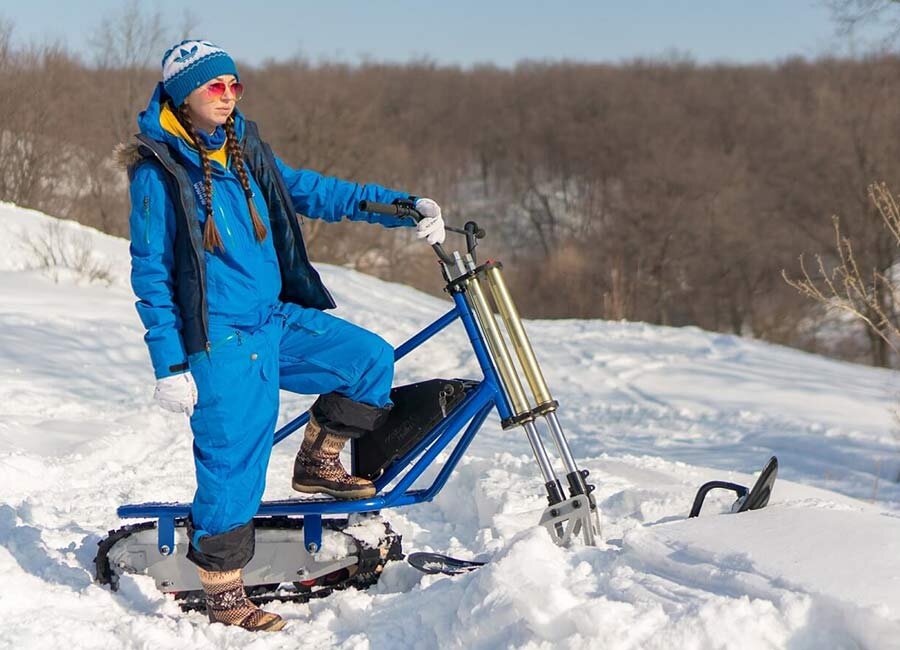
<point x="465" y="31"/>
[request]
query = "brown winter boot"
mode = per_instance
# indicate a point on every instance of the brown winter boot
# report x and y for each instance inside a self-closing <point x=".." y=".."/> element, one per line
<point x="227" y="603"/>
<point x="318" y="468"/>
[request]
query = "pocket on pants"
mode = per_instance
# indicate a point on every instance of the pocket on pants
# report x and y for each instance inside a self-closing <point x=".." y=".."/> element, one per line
<point x="305" y="319"/>
<point x="238" y="399"/>
<point x="213" y="370"/>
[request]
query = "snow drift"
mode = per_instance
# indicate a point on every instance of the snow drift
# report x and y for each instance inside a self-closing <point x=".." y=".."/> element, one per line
<point x="652" y="412"/>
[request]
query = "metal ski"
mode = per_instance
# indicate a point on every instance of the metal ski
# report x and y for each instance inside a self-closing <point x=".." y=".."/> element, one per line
<point x="433" y="563"/>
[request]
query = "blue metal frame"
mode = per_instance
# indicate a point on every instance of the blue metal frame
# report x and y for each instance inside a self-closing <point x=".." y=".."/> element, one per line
<point x="474" y="409"/>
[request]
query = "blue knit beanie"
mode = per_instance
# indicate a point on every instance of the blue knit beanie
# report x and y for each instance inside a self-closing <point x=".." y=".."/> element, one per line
<point x="190" y="64"/>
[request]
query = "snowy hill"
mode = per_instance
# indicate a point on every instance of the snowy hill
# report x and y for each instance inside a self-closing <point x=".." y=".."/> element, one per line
<point x="652" y="412"/>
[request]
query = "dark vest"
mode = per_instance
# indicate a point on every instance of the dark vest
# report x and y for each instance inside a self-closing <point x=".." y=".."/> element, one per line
<point x="300" y="283"/>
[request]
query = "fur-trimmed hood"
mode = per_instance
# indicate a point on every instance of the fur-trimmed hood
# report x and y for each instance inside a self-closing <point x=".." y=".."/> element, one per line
<point x="126" y="154"/>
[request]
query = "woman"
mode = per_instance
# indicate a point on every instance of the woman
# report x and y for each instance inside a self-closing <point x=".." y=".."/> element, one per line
<point x="233" y="309"/>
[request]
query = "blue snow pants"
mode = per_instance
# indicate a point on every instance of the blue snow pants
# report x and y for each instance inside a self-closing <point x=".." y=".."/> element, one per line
<point x="297" y="349"/>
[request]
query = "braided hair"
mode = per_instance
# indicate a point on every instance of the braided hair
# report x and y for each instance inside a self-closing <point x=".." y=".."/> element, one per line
<point x="237" y="160"/>
<point x="212" y="239"/>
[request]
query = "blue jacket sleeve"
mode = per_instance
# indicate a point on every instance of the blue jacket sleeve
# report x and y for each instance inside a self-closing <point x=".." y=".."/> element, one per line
<point x="152" y="223"/>
<point x="331" y="199"/>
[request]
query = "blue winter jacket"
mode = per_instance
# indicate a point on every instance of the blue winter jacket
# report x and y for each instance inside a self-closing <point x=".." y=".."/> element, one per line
<point x="185" y="293"/>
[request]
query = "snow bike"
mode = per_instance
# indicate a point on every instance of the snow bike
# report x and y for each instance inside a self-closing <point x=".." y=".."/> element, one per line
<point x="307" y="547"/>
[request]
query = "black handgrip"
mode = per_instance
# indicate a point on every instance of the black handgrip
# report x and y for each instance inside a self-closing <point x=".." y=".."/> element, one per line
<point x="393" y="209"/>
<point x="400" y="210"/>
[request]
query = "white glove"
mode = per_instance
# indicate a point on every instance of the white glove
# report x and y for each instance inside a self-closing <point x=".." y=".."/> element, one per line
<point x="431" y="227"/>
<point x="177" y="393"/>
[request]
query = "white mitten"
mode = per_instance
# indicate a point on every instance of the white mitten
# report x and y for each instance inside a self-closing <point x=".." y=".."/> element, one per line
<point x="431" y="227"/>
<point x="177" y="393"/>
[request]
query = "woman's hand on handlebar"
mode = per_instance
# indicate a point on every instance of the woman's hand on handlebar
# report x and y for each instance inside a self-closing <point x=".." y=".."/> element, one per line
<point x="431" y="226"/>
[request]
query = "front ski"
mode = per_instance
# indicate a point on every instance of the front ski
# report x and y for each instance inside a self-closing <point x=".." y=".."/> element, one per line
<point x="753" y="499"/>
<point x="433" y="563"/>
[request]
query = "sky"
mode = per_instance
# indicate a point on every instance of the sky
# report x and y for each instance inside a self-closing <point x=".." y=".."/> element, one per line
<point x="462" y="32"/>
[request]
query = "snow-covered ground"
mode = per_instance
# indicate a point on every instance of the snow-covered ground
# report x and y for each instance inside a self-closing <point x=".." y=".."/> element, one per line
<point x="652" y="412"/>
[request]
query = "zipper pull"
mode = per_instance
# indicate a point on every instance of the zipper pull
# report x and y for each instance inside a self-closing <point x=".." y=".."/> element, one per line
<point x="146" y="215"/>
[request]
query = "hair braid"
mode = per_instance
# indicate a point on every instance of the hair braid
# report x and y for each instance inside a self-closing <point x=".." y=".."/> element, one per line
<point x="237" y="160"/>
<point x="211" y="237"/>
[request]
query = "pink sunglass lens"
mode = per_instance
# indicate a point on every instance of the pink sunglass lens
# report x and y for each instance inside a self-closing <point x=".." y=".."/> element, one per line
<point x="217" y="89"/>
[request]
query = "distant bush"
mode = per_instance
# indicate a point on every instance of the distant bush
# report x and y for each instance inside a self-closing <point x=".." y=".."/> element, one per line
<point x="655" y="190"/>
<point x="59" y="249"/>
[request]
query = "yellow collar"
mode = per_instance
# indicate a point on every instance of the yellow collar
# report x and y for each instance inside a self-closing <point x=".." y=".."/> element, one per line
<point x="169" y="122"/>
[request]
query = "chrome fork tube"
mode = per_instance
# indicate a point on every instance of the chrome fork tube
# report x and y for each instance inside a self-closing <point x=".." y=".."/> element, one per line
<point x="540" y="453"/>
<point x="561" y="443"/>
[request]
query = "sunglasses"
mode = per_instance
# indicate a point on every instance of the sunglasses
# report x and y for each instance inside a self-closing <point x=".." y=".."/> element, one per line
<point x="216" y="90"/>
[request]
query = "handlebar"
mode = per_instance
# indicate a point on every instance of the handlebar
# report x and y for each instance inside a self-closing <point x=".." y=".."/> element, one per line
<point x="404" y="210"/>
<point x="393" y="209"/>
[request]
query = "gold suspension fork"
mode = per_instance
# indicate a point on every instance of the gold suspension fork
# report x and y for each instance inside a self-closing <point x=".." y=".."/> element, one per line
<point x="566" y="517"/>
<point x="546" y="405"/>
<point x="512" y="386"/>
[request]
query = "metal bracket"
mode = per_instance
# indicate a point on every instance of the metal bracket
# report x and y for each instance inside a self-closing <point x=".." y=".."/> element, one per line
<point x="739" y="490"/>
<point x="312" y="533"/>
<point x="166" y="535"/>
<point x="356" y="518"/>
<point x="569" y="518"/>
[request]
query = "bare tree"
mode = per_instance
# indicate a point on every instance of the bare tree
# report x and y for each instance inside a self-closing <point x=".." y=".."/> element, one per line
<point x="126" y="42"/>
<point x="868" y="294"/>
<point x="656" y="190"/>
<point x="6" y="31"/>
<point x="882" y="17"/>
<point x="128" y="39"/>
<point x="31" y="158"/>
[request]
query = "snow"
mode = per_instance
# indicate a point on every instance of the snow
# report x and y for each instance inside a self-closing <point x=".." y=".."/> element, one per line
<point x="652" y="412"/>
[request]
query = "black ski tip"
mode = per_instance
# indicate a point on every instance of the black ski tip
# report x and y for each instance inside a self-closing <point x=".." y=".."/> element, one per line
<point x="433" y="563"/>
<point x="753" y="499"/>
<point x="762" y="489"/>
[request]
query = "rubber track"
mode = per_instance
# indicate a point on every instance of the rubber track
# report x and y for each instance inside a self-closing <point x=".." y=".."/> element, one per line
<point x="369" y="567"/>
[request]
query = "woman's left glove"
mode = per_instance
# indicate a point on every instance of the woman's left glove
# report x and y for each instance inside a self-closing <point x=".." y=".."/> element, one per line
<point x="177" y="393"/>
<point x="431" y="227"/>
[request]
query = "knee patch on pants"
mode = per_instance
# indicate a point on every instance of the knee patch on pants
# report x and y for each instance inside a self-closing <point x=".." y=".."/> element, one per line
<point x="224" y="552"/>
<point x="341" y="416"/>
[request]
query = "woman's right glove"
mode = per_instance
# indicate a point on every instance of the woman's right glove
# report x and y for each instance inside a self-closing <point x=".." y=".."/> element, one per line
<point x="431" y="227"/>
<point x="177" y="393"/>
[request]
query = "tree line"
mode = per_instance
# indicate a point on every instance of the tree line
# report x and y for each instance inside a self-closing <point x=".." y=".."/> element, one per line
<point x="658" y="191"/>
